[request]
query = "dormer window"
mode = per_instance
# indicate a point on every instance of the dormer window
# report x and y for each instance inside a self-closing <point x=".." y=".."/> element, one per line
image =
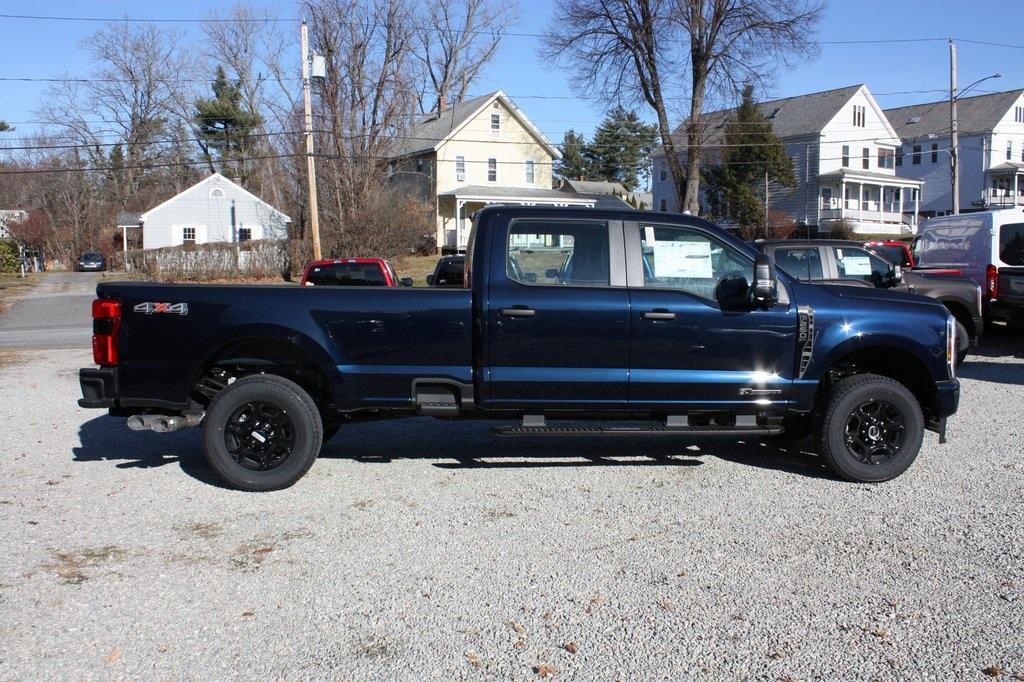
<point x="774" y="113"/>
<point x="913" y="120"/>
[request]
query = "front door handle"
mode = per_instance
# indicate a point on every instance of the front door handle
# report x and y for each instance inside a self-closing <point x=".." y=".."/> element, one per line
<point x="658" y="315"/>
<point x="518" y="311"/>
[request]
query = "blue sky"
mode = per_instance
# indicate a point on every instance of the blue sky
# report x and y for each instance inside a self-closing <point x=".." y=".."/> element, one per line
<point x="48" y="48"/>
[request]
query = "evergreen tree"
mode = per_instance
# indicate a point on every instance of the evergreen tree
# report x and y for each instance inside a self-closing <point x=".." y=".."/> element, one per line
<point x="573" y="165"/>
<point x="621" y="148"/>
<point x="736" y="186"/>
<point x="4" y="127"/>
<point x="225" y="126"/>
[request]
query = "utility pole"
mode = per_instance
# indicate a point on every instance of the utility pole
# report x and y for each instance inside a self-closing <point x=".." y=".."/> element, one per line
<point x="766" y="201"/>
<point x="954" y="128"/>
<point x="314" y="213"/>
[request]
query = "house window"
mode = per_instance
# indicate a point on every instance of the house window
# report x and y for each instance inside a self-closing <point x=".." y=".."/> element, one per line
<point x="391" y="168"/>
<point x="1018" y="114"/>
<point x="865" y="158"/>
<point x="244" y="234"/>
<point x="188" y="236"/>
<point x="886" y="158"/>
<point x="217" y="193"/>
<point x="899" y="155"/>
<point x="935" y="152"/>
<point x="492" y="170"/>
<point x="529" y="172"/>
<point x="662" y="206"/>
<point x="846" y="156"/>
<point x="663" y="174"/>
<point x="419" y="165"/>
<point x="915" y="157"/>
<point x="495" y="123"/>
<point x="1009" y="150"/>
<point x="460" y="168"/>
<point x="858" y="116"/>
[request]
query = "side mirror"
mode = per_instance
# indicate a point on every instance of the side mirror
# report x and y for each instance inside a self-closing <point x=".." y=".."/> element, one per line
<point x="430" y="280"/>
<point x="733" y="292"/>
<point x="765" y="290"/>
<point x="405" y="281"/>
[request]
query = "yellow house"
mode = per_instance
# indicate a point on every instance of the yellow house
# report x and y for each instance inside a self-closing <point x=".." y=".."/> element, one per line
<point x="478" y="152"/>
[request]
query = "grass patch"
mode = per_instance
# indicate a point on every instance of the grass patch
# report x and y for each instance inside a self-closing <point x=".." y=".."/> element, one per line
<point x="417" y="267"/>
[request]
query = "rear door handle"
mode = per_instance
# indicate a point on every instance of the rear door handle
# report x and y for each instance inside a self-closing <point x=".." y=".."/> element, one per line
<point x="658" y="315"/>
<point x="518" y="311"/>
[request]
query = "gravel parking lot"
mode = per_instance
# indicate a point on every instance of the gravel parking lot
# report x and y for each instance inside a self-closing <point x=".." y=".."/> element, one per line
<point x="420" y="549"/>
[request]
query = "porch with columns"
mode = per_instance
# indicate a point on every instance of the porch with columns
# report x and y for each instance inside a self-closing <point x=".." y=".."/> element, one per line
<point x="875" y="203"/>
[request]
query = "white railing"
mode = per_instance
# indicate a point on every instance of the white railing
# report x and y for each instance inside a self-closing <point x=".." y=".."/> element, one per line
<point x="1003" y="197"/>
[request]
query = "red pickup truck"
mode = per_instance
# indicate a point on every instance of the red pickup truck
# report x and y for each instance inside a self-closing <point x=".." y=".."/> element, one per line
<point x="352" y="272"/>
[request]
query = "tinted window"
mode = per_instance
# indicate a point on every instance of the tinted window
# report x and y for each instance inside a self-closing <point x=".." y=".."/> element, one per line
<point x="689" y="260"/>
<point x="347" y="274"/>
<point x="799" y="263"/>
<point x="1011" y="244"/>
<point x="555" y="253"/>
<point x="449" y="272"/>
<point x="856" y="263"/>
<point x="893" y="254"/>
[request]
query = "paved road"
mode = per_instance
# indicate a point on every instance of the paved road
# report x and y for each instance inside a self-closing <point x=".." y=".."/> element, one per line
<point x="55" y="313"/>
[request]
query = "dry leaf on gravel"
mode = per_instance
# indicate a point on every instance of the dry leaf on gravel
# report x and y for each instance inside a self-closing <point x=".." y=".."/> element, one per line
<point x="571" y="647"/>
<point x="993" y="671"/>
<point x="518" y="627"/>
<point x="114" y="656"/>
<point x="473" y="658"/>
<point x="544" y="670"/>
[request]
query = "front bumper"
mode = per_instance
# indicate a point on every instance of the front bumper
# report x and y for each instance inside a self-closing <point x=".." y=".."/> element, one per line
<point x="99" y="387"/>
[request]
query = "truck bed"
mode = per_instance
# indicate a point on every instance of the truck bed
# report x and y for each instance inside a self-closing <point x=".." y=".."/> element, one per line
<point x="371" y="341"/>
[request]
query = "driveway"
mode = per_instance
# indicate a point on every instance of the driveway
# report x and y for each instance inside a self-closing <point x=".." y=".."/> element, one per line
<point x="55" y="313"/>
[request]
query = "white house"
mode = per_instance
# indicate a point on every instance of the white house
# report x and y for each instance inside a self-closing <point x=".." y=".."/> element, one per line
<point x="844" y="154"/>
<point x="991" y="150"/>
<point x="212" y="210"/>
<point x="480" y="151"/>
<point x="9" y="217"/>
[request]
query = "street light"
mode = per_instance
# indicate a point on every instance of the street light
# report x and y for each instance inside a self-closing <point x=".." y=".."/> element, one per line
<point x="954" y="152"/>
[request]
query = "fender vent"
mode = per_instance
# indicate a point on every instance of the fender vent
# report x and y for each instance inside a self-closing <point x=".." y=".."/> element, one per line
<point x="804" y="338"/>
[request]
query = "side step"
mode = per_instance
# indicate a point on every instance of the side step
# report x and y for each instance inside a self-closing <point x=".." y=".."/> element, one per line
<point x="653" y="430"/>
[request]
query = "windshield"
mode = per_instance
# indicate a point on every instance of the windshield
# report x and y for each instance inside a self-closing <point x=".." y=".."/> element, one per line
<point x="347" y="274"/>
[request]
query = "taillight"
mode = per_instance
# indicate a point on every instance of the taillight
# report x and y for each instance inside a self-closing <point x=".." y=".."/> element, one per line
<point x="992" y="281"/>
<point x="106" y="324"/>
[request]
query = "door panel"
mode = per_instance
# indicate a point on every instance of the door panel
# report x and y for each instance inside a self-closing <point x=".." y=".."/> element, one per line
<point x="557" y="316"/>
<point x="697" y="355"/>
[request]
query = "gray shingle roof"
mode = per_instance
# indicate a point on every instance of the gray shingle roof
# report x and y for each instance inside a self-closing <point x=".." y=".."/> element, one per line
<point x="125" y="218"/>
<point x="496" y="192"/>
<point x="974" y="114"/>
<point x="596" y="187"/>
<point x="424" y="136"/>
<point x="796" y="116"/>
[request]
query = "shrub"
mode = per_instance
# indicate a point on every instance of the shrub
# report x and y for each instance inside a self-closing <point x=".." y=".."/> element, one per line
<point x="842" y="229"/>
<point x="9" y="260"/>
<point x="259" y="259"/>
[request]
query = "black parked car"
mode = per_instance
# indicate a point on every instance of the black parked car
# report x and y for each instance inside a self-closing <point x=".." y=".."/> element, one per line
<point x="448" y="272"/>
<point x="91" y="261"/>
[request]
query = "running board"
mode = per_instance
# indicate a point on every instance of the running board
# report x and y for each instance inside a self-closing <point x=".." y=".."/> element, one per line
<point x="654" y="430"/>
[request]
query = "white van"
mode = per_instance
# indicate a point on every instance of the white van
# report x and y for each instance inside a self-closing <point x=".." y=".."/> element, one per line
<point x="987" y="246"/>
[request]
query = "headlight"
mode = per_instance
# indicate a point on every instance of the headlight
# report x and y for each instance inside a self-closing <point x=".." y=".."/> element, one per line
<point x="951" y="346"/>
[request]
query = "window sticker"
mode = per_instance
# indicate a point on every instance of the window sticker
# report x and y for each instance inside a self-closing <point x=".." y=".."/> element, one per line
<point x="857" y="265"/>
<point x="683" y="259"/>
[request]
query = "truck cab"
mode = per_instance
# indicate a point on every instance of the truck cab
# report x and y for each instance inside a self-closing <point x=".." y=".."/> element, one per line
<point x="575" y="321"/>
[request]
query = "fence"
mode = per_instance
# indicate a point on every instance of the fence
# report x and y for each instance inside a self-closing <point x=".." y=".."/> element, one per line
<point x="257" y="259"/>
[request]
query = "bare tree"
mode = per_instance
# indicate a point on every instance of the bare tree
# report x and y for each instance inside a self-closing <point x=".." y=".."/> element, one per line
<point x="364" y="102"/>
<point x="736" y="42"/>
<point x="456" y="40"/>
<point x="623" y="51"/>
<point x="637" y="50"/>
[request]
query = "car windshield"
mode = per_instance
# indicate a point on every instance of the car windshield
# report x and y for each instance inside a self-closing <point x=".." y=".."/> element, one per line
<point x="347" y="274"/>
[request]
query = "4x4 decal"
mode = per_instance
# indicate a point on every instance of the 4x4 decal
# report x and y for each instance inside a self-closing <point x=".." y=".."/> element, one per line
<point x="150" y="308"/>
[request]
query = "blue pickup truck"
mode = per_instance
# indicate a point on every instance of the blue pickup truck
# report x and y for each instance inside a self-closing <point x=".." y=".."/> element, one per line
<point x="572" y="322"/>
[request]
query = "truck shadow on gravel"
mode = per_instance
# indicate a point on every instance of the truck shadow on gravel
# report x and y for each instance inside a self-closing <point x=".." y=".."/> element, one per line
<point x="107" y="439"/>
<point x="472" y="446"/>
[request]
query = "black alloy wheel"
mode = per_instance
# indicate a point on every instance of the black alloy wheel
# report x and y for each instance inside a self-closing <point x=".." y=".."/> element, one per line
<point x="875" y="431"/>
<point x="259" y="435"/>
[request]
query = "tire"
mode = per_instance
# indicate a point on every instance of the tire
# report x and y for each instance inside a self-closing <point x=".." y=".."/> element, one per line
<point x="857" y="403"/>
<point x="963" y="343"/>
<point x="272" y="456"/>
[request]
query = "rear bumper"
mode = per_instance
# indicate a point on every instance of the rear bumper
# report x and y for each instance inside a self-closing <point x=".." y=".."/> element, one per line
<point x="947" y="398"/>
<point x="99" y="387"/>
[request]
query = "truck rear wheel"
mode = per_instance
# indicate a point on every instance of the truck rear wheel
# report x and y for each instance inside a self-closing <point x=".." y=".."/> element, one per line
<point x="262" y="433"/>
<point x="870" y="428"/>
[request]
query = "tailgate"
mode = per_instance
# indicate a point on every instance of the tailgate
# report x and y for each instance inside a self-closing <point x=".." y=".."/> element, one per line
<point x="1011" y="286"/>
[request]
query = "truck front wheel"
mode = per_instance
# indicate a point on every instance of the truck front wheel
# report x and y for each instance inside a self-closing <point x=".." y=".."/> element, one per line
<point x="262" y="433"/>
<point x="870" y="428"/>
